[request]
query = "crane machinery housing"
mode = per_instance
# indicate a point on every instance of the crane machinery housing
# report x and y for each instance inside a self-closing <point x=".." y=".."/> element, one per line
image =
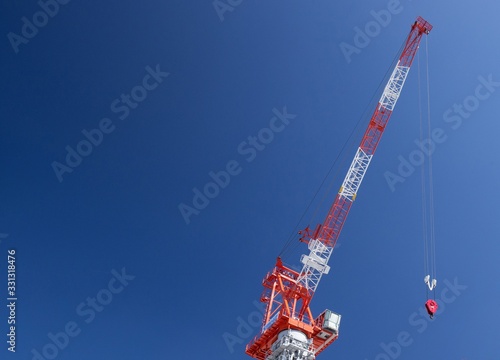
<point x="289" y="329"/>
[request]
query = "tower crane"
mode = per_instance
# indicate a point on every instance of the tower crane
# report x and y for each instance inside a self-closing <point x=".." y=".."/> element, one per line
<point x="289" y="329"/>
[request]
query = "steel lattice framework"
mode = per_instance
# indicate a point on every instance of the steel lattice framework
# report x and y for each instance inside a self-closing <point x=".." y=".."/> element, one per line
<point x="287" y="292"/>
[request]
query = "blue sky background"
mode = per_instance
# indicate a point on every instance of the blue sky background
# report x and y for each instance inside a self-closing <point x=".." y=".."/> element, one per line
<point x="119" y="207"/>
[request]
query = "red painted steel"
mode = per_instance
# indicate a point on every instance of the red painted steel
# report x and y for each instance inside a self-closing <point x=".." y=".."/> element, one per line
<point x="288" y="301"/>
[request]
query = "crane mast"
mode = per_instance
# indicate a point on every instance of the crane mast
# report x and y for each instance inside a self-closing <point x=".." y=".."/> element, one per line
<point x="289" y="330"/>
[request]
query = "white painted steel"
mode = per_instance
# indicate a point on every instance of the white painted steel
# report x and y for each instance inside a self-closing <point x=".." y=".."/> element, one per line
<point x="291" y="345"/>
<point x="355" y="175"/>
<point x="315" y="264"/>
<point x="394" y="86"/>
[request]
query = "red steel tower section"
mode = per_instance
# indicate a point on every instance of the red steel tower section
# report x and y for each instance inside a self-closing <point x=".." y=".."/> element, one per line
<point x="289" y="330"/>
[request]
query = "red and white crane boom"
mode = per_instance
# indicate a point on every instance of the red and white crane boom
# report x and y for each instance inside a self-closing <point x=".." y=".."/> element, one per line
<point x="289" y="330"/>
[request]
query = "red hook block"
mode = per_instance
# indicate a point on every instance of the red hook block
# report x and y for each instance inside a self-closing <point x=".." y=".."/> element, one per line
<point x="431" y="307"/>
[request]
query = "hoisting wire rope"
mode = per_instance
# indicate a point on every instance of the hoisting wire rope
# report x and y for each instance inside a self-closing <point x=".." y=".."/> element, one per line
<point x="431" y="179"/>
<point x="290" y="246"/>
<point x="427" y="188"/>
<point x="422" y="179"/>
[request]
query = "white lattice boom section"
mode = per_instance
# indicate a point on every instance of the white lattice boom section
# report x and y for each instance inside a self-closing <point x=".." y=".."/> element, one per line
<point x="394" y="86"/>
<point x="355" y="175"/>
<point x="315" y="264"/>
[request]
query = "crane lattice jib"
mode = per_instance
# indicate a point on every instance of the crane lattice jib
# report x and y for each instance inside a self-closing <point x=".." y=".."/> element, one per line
<point x="315" y="264"/>
<point x="288" y="328"/>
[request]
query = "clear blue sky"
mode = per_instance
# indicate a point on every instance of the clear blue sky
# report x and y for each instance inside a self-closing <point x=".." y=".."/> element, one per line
<point x="118" y="205"/>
